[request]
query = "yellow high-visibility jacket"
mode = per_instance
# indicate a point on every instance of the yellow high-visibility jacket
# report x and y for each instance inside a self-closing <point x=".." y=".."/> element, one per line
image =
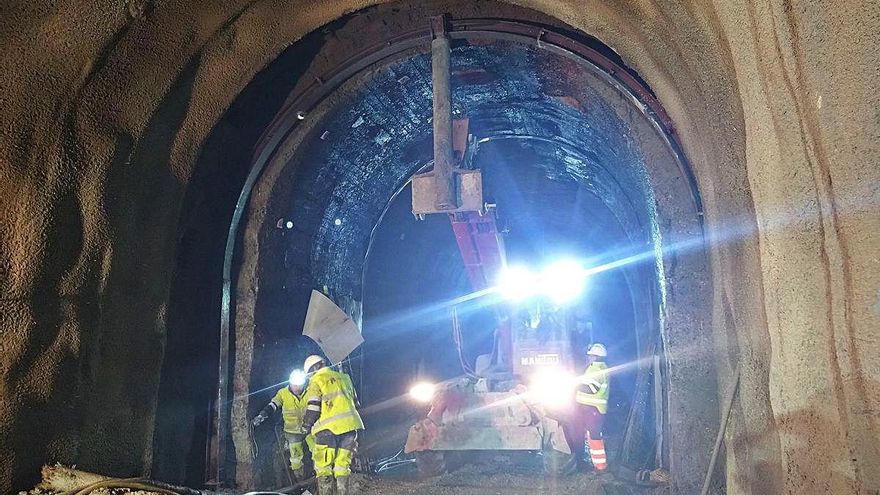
<point x="331" y="399"/>
<point x="594" y="386"/>
<point x="292" y="409"/>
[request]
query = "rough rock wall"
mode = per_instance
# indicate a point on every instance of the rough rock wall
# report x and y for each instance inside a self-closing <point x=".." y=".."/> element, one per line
<point x="104" y="109"/>
<point x="807" y="74"/>
<point x="103" y="112"/>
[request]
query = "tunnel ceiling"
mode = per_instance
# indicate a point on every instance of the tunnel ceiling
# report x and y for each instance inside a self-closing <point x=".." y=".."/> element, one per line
<point x="528" y="108"/>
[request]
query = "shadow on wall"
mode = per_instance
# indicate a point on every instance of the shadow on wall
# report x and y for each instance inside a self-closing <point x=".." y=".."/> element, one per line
<point x="77" y="391"/>
<point x="143" y="195"/>
<point x="189" y="374"/>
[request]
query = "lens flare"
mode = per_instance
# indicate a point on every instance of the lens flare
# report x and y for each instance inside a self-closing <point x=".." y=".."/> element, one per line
<point x="297" y="378"/>
<point x="518" y="283"/>
<point x="553" y="387"/>
<point x="563" y="281"/>
<point x="423" y="392"/>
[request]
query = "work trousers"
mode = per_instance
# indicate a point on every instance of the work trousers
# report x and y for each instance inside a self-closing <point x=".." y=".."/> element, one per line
<point x="296" y="445"/>
<point x="589" y="423"/>
<point x="333" y="453"/>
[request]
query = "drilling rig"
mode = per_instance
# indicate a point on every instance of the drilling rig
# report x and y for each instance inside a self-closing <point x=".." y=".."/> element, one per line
<point x="518" y="396"/>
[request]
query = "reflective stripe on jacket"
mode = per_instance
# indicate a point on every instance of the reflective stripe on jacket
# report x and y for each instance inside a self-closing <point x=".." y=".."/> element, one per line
<point x="332" y="393"/>
<point x="292" y="409"/>
<point x="593" y="387"/>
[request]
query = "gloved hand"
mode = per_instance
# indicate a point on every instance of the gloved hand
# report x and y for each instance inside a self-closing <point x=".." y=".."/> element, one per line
<point x="258" y="420"/>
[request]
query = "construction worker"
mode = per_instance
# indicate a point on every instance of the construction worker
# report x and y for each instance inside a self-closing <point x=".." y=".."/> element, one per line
<point x="292" y="403"/>
<point x="592" y="399"/>
<point x="332" y="417"/>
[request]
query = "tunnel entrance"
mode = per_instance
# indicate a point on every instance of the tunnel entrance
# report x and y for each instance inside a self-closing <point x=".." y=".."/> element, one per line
<point x="581" y="157"/>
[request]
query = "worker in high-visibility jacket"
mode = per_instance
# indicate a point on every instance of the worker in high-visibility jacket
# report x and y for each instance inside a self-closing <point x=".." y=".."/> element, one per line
<point x="592" y="398"/>
<point x="292" y="403"/>
<point x="332" y="416"/>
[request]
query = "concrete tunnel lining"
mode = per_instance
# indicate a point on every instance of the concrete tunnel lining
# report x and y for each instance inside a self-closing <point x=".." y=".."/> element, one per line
<point x="312" y="190"/>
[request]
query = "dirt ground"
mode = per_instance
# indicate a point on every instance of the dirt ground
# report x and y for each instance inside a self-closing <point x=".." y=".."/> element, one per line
<point x="476" y="481"/>
<point x="480" y="473"/>
<point x="500" y="475"/>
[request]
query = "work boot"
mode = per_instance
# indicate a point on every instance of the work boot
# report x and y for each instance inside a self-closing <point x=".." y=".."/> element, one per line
<point x="300" y="475"/>
<point x="343" y="484"/>
<point x="326" y="485"/>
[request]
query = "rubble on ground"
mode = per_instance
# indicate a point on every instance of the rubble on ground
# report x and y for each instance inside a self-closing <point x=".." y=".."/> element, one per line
<point x="495" y="475"/>
<point x="59" y="479"/>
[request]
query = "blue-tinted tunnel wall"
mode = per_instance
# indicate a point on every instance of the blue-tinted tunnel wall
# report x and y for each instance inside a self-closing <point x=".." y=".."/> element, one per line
<point x="362" y="154"/>
<point x="556" y="157"/>
<point x="558" y="124"/>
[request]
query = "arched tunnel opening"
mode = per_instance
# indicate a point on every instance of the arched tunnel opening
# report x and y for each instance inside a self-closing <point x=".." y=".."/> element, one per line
<point x="181" y="180"/>
<point x="572" y="147"/>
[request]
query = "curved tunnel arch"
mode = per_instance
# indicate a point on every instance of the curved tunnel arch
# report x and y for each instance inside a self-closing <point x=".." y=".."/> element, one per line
<point x="127" y="131"/>
<point x="305" y="164"/>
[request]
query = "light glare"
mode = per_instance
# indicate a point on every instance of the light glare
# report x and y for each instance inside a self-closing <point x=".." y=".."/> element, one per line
<point x="423" y="391"/>
<point x="563" y="281"/>
<point x="553" y="387"/>
<point x="297" y="378"/>
<point x="518" y="283"/>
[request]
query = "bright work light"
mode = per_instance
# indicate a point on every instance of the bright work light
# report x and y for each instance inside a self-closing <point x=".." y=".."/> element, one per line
<point x="563" y="281"/>
<point x="297" y="378"/>
<point x="423" y="391"/>
<point x="553" y="387"/>
<point x="518" y="283"/>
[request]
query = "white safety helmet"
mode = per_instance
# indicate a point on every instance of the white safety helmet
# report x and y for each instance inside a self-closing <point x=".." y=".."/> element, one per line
<point x="311" y="361"/>
<point x="597" y="350"/>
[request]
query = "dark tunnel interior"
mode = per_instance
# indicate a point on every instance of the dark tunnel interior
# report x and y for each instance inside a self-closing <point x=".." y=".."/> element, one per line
<point x="566" y="157"/>
<point x="565" y="172"/>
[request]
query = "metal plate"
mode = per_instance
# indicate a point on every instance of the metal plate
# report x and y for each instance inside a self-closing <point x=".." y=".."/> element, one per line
<point x="331" y="328"/>
<point x="468" y="186"/>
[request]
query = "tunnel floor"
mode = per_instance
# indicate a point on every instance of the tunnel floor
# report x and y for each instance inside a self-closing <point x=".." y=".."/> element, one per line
<point x="491" y="473"/>
<point x="474" y="473"/>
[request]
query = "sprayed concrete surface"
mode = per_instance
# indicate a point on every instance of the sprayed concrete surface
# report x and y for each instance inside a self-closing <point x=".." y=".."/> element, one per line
<point x="104" y="110"/>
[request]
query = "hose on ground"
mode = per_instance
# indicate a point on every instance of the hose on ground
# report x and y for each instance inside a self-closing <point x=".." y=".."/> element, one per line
<point x="135" y="484"/>
<point x="392" y="462"/>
